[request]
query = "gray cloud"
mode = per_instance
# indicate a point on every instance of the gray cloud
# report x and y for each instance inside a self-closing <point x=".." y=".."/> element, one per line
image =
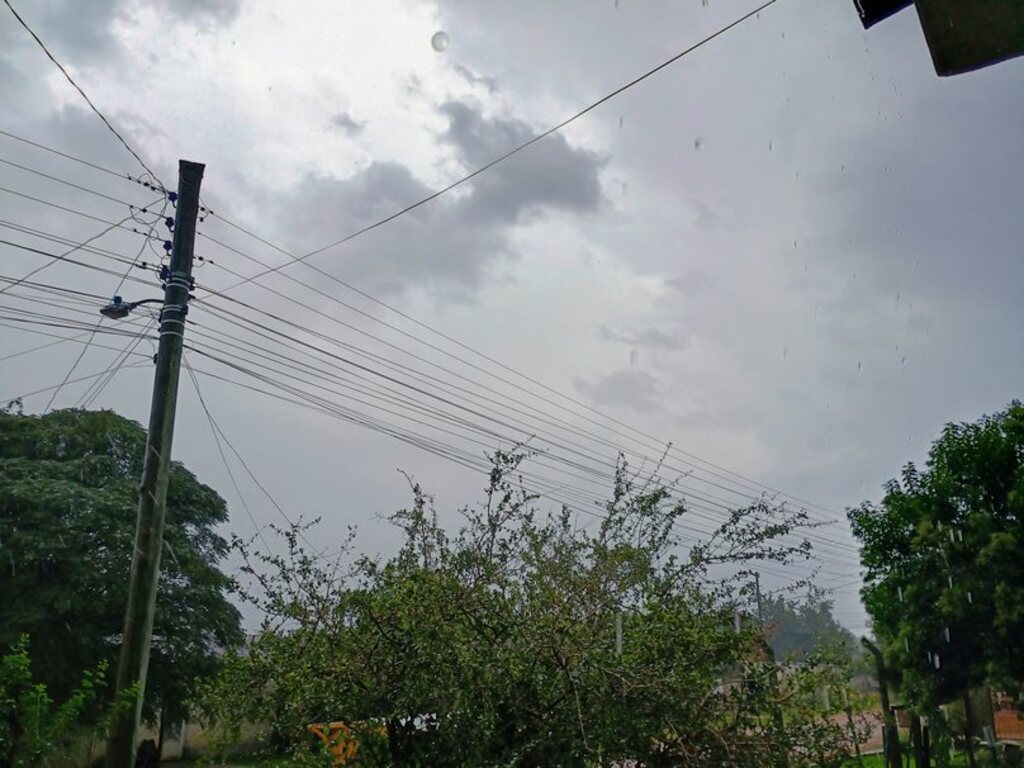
<point x="652" y="337"/>
<point x="449" y="243"/>
<point x="490" y="83"/>
<point x="347" y="123"/>
<point x="88" y="37"/>
<point x="549" y="174"/>
<point x="631" y="389"/>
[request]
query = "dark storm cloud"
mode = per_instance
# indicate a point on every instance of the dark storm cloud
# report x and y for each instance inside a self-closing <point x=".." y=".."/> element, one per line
<point x="549" y="174"/>
<point x="451" y="242"/>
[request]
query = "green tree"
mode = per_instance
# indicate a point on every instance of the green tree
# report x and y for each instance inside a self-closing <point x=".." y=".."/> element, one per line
<point x="797" y="628"/>
<point x="68" y="498"/>
<point x="945" y="580"/>
<point x="34" y="730"/>
<point x="528" y="639"/>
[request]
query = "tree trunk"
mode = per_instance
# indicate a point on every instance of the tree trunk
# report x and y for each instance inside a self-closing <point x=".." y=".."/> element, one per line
<point x="160" y="735"/>
<point x="917" y="740"/>
<point x="969" y="731"/>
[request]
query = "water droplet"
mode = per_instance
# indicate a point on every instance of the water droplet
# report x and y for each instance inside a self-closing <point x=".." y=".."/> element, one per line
<point x="903" y="360"/>
<point x="620" y="122"/>
<point x="898" y="297"/>
<point x="785" y="352"/>
<point x="771" y="146"/>
<point x="795" y="245"/>
<point x="439" y="41"/>
<point x="625" y="188"/>
<point x="698" y="143"/>
<point x="842" y="168"/>
<point x="860" y="366"/>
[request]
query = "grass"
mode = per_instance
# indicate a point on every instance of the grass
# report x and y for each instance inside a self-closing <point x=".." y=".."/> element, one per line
<point x="984" y="760"/>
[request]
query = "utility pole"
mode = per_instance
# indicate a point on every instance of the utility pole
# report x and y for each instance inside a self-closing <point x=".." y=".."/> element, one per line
<point x="149" y="531"/>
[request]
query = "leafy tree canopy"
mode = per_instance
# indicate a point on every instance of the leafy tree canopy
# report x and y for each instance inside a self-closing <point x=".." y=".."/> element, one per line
<point x="528" y="639"/>
<point x="68" y="500"/>
<point x="942" y="551"/>
<point x="798" y="628"/>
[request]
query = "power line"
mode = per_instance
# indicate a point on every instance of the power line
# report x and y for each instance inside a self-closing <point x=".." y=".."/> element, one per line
<point x="64" y="208"/>
<point x="433" y="380"/>
<point x="70" y="381"/>
<point x="78" y="88"/>
<point x="478" y="464"/>
<point x="96" y="388"/>
<point x="557" y="127"/>
<point x="347" y="414"/>
<point x="220" y="449"/>
<point x="480" y="170"/>
<point x="65" y="182"/>
<point x="291" y="347"/>
<point x="37" y="145"/>
<point x="504" y="380"/>
<point x="61" y="257"/>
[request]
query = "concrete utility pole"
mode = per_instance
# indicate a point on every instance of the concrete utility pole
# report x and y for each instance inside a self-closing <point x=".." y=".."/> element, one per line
<point x="149" y="532"/>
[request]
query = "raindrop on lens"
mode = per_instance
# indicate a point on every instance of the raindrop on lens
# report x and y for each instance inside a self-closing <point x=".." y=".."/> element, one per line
<point x="698" y="143"/>
<point x="439" y="41"/>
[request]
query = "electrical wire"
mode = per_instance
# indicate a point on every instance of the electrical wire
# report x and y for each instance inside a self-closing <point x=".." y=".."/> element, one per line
<point x="78" y="88"/>
<point x="293" y="341"/>
<point x="670" y="448"/>
<point x="214" y="430"/>
<point x="67" y="156"/>
<point x="296" y="391"/>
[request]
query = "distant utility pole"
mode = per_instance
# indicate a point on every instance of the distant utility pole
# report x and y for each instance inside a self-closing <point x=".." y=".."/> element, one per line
<point x="149" y="531"/>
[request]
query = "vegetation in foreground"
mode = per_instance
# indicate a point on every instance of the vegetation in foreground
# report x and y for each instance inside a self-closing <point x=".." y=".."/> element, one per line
<point x="531" y="639"/>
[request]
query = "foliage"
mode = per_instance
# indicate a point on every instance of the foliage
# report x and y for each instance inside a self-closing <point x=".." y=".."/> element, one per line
<point x="801" y="627"/>
<point x="498" y="645"/>
<point x="68" y="499"/>
<point x="32" y="729"/>
<point x="945" y="580"/>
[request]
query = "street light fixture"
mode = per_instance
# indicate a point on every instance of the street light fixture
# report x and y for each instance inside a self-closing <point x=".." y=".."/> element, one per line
<point x="118" y="309"/>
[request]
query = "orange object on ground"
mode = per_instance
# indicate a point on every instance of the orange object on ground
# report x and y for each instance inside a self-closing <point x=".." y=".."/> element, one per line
<point x="339" y="740"/>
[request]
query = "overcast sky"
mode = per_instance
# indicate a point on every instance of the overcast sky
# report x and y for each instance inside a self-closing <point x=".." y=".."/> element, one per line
<point x="795" y="253"/>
